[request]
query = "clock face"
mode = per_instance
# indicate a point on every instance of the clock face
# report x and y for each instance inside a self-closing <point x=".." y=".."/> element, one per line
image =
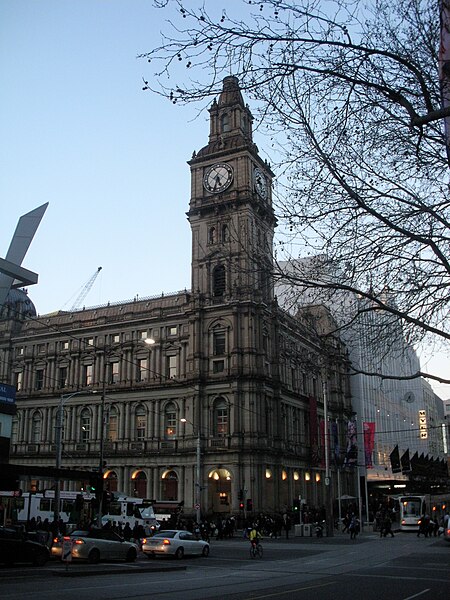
<point x="217" y="178"/>
<point x="260" y="182"/>
<point x="409" y="397"/>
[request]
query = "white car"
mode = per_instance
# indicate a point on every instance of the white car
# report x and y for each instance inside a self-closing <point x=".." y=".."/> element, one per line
<point x="96" y="545"/>
<point x="174" y="542"/>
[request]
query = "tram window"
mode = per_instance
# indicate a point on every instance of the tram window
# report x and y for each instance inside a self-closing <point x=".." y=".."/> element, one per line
<point x="68" y="506"/>
<point x="114" y="509"/>
<point x="45" y="504"/>
<point x="130" y="509"/>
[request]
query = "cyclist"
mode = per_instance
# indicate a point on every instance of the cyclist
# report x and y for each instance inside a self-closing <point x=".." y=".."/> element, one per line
<point x="254" y="536"/>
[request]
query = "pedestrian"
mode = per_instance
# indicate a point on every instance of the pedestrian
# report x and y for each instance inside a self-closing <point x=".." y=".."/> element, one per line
<point x="354" y="527"/>
<point x="387" y="525"/>
<point x="287" y="524"/>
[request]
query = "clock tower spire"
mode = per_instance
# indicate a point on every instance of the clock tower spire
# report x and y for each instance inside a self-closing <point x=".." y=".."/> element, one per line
<point x="230" y="211"/>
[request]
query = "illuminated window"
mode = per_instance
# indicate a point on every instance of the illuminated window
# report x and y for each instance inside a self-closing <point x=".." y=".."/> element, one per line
<point x="170" y="420"/>
<point x="268" y="474"/>
<point x="296" y="475"/>
<point x="85" y="422"/>
<point x="18" y="380"/>
<point x="307" y="477"/>
<point x="220" y="417"/>
<point x="283" y="475"/>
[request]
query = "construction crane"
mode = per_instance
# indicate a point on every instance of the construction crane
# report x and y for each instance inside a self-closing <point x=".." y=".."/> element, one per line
<point x="85" y="290"/>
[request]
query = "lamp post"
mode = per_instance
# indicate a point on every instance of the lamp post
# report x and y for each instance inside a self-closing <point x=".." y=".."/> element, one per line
<point x="198" y="488"/>
<point x="58" y="438"/>
<point x="328" y="487"/>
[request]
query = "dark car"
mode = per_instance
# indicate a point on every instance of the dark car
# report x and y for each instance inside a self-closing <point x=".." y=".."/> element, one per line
<point x="16" y="547"/>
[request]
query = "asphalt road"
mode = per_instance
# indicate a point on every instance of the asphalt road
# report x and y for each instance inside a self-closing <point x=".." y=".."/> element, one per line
<point x="401" y="568"/>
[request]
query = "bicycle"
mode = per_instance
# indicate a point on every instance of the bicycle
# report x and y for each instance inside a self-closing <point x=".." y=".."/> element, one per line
<point x="256" y="550"/>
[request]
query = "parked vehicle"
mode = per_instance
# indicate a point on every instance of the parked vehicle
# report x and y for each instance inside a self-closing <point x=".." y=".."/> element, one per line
<point x="16" y="547"/>
<point x="174" y="543"/>
<point x="447" y="531"/>
<point x="96" y="545"/>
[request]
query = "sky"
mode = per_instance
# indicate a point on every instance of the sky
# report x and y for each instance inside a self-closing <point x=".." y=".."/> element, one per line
<point x="79" y="132"/>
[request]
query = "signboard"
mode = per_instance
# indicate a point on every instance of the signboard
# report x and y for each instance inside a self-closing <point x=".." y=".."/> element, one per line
<point x="7" y="393"/>
<point x="423" y="429"/>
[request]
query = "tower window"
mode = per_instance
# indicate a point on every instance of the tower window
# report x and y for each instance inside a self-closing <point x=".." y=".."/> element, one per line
<point x="212" y="235"/>
<point x="219" y="281"/>
<point x="226" y="125"/>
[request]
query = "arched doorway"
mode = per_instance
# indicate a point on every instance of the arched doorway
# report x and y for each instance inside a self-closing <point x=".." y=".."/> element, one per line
<point x="219" y="490"/>
<point x="169" y="485"/>
<point x="110" y="481"/>
<point x="139" y="484"/>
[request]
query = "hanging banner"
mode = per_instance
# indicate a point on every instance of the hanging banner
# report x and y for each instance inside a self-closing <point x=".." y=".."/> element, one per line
<point x="313" y="433"/>
<point x="335" y="443"/>
<point x="369" y="443"/>
<point x="351" y="453"/>
<point x="394" y="457"/>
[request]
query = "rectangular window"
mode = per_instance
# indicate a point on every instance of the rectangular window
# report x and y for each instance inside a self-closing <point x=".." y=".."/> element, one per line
<point x="222" y="422"/>
<point x="20" y="351"/>
<point x="114" y="372"/>
<point x="115" y="339"/>
<point x="171" y="368"/>
<point x="140" y="427"/>
<point x="65" y="345"/>
<point x="62" y="377"/>
<point x="41" y="348"/>
<point x="143" y="335"/>
<point x="89" y="342"/>
<point x="219" y="343"/>
<point x="171" y="424"/>
<point x="88" y="374"/>
<point x="112" y="429"/>
<point x="18" y="380"/>
<point x="142" y="369"/>
<point x="39" y="381"/>
<point x="172" y="330"/>
<point x="85" y="428"/>
<point x="218" y="366"/>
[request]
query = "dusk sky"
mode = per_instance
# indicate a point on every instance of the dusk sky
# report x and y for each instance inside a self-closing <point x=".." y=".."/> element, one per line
<point x="78" y="132"/>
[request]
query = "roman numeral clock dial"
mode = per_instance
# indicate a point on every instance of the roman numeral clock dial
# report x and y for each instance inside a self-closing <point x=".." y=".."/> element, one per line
<point x="218" y="178"/>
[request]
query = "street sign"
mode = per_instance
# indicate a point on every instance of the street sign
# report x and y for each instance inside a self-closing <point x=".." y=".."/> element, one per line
<point x="197" y="507"/>
<point x="327" y="481"/>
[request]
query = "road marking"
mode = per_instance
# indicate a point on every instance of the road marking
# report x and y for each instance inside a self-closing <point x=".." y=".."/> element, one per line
<point x="302" y="589"/>
<point x="416" y="595"/>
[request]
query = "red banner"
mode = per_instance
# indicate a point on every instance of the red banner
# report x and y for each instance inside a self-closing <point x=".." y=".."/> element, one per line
<point x="369" y="443"/>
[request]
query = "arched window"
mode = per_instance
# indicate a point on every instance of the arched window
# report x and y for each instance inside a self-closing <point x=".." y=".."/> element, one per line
<point x="85" y="423"/>
<point x="113" y="425"/>
<point x="220" y="417"/>
<point x="36" y="427"/>
<point x="141" y="423"/>
<point x="219" y="281"/>
<point x="170" y="421"/>
<point x="169" y="486"/>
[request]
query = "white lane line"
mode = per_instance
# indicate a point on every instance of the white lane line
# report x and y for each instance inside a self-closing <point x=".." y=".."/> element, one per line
<point x="417" y="595"/>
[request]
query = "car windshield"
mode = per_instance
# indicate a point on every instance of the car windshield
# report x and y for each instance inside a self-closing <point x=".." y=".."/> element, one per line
<point x="165" y="534"/>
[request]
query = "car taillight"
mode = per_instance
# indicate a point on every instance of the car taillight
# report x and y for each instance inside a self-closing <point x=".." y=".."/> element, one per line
<point x="78" y="541"/>
<point x="166" y="542"/>
<point x="144" y="541"/>
<point x="403" y="522"/>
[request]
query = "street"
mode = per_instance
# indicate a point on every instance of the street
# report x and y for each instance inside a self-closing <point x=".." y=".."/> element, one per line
<point x="399" y="568"/>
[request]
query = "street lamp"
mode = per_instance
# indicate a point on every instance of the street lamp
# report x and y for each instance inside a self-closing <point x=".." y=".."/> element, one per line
<point x="198" y="488"/>
<point x="59" y="426"/>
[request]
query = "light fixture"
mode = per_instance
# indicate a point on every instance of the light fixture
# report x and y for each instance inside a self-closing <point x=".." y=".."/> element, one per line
<point x="317" y="477"/>
<point x="283" y="475"/>
<point x="296" y="476"/>
<point x="307" y="476"/>
<point x="149" y="341"/>
<point x="268" y="473"/>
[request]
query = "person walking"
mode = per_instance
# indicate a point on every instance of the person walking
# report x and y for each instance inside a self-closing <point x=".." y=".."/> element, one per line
<point x="387" y="526"/>
<point x="353" y="527"/>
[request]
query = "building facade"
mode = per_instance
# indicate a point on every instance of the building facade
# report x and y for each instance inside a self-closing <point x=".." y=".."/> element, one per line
<point x="225" y="404"/>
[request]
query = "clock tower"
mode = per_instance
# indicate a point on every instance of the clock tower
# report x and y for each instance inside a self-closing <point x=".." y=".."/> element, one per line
<point x="230" y="211"/>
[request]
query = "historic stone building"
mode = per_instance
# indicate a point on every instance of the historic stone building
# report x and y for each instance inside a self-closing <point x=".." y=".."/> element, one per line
<point x="244" y="375"/>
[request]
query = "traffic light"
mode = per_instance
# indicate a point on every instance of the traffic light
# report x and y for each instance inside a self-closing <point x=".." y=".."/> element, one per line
<point x="249" y="504"/>
<point x="296" y="505"/>
<point x="241" y="506"/>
